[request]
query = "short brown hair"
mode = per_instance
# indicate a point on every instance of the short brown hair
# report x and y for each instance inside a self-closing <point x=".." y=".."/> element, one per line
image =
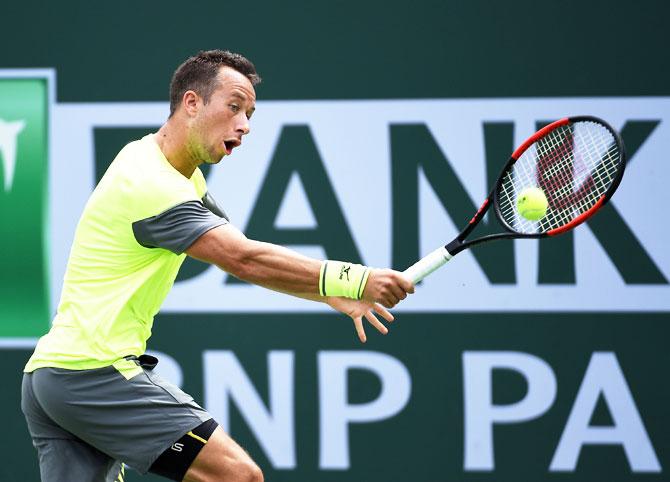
<point x="199" y="73"/>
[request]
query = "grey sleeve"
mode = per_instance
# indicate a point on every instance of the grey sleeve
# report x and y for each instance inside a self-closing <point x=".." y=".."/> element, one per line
<point x="211" y="204"/>
<point x="177" y="228"/>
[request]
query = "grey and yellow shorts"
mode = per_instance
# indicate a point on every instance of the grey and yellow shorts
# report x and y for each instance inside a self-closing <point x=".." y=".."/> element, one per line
<point x="85" y="423"/>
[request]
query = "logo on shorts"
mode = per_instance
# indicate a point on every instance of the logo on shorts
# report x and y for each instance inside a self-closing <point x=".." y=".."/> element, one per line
<point x="177" y="447"/>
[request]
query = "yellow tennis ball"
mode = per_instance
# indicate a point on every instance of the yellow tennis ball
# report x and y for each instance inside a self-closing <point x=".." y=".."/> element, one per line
<point x="532" y="203"/>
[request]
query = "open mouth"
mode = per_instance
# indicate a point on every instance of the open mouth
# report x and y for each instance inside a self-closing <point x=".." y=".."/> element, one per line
<point x="230" y="145"/>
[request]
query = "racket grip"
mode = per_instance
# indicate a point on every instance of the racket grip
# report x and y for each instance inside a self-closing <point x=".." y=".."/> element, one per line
<point x="427" y="264"/>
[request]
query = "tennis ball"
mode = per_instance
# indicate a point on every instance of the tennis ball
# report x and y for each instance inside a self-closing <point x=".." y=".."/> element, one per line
<point x="532" y="203"/>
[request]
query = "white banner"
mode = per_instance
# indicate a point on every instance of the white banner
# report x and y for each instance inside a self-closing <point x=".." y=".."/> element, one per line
<point x="353" y="142"/>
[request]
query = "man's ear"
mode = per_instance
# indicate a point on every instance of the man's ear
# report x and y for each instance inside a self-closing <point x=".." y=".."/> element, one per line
<point x="190" y="101"/>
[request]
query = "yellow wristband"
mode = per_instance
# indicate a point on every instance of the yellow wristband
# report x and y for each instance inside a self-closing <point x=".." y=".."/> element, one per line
<point x="343" y="279"/>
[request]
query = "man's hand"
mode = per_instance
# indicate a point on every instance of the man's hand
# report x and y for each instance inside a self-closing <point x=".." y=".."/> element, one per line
<point x="387" y="287"/>
<point x="356" y="310"/>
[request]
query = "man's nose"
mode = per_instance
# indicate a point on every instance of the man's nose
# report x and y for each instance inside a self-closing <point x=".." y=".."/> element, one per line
<point x="243" y="126"/>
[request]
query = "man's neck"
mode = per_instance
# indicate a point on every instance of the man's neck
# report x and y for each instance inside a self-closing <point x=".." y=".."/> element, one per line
<point x="172" y="142"/>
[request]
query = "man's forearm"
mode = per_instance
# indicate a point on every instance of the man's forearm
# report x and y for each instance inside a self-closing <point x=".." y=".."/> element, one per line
<point x="285" y="270"/>
<point x="260" y="263"/>
<point x="279" y="268"/>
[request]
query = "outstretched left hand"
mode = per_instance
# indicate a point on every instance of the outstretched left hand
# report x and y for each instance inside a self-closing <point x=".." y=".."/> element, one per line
<point x="357" y="309"/>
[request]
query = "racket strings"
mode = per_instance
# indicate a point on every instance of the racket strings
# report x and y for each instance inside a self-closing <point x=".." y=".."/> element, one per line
<point x="574" y="165"/>
<point x="562" y="150"/>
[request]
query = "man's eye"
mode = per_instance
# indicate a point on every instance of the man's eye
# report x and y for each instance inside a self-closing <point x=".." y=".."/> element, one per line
<point x="235" y="107"/>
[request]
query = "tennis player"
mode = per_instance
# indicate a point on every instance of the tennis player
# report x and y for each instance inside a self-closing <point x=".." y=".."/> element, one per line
<point x="91" y="400"/>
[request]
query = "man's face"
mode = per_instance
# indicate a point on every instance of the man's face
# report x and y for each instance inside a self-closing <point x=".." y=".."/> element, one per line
<point x="218" y="126"/>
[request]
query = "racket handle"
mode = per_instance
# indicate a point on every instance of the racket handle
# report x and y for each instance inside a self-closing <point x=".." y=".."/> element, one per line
<point x="427" y="264"/>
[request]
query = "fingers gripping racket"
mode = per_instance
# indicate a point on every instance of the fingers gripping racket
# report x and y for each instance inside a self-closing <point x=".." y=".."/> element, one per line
<point x="577" y="162"/>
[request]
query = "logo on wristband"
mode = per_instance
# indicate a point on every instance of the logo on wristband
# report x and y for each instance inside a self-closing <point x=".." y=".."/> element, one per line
<point x="345" y="270"/>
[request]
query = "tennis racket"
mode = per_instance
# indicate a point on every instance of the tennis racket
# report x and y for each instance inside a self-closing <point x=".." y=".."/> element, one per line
<point x="578" y="163"/>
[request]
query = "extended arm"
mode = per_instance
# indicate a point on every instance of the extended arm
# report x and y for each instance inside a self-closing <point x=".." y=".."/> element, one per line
<point x="284" y="270"/>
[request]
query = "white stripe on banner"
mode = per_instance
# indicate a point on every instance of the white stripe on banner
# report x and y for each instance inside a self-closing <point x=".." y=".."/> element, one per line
<point x="18" y="343"/>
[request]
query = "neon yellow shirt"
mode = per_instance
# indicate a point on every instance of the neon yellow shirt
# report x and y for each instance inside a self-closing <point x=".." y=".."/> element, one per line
<point x="113" y="286"/>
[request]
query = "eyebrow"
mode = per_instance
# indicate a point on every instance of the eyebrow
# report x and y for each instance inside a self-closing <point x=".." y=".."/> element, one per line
<point x="243" y="98"/>
<point x="239" y="96"/>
